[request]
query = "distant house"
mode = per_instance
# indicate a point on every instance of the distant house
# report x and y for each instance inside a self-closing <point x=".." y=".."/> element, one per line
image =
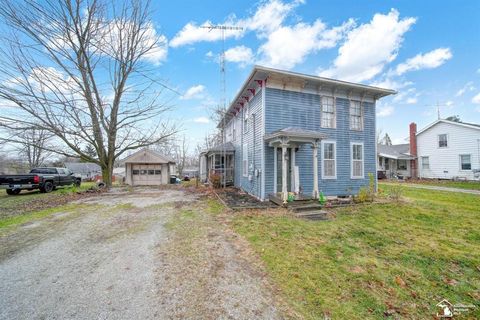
<point x="394" y="161"/>
<point x="86" y="170"/>
<point x="147" y="167"/>
<point x="448" y="150"/>
<point x="291" y="132"/>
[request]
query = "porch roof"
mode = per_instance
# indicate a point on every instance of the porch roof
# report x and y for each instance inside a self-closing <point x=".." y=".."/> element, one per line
<point x="293" y="134"/>
<point x="399" y="151"/>
<point x="227" y="147"/>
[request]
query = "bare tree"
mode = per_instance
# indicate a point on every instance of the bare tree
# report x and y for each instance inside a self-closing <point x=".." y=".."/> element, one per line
<point x="32" y="147"/>
<point x="80" y="70"/>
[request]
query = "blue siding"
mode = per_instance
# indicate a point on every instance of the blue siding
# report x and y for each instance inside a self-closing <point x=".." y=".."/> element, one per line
<point x="253" y="137"/>
<point x="294" y="109"/>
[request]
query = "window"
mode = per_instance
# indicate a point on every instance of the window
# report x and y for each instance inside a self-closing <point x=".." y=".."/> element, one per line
<point x="328" y="112"/>
<point x="357" y="160"/>
<point x="245" y="160"/>
<point x="356" y="115"/>
<point x="245" y="119"/>
<point x="135" y="172"/>
<point x="402" y="165"/>
<point x="465" y="162"/>
<point x="234" y="134"/>
<point x="329" y="155"/>
<point x="158" y="171"/>
<point x="143" y="172"/>
<point x="151" y="172"/>
<point x="442" y="141"/>
<point x="425" y="163"/>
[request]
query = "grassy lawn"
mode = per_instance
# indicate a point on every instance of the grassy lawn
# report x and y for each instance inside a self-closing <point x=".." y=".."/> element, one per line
<point x="469" y="185"/>
<point x="30" y="201"/>
<point x="392" y="260"/>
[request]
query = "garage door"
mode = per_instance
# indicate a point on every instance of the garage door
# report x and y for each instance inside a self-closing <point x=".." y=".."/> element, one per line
<point x="146" y="174"/>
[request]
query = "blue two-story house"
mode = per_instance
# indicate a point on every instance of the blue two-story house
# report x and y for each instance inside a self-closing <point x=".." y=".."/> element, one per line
<point x="289" y="132"/>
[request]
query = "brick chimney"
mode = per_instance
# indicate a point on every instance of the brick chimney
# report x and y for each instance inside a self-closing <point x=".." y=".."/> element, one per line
<point x="413" y="149"/>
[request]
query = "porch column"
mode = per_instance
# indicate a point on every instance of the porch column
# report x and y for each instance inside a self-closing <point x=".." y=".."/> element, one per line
<point x="275" y="170"/>
<point x="292" y="167"/>
<point x="284" y="173"/>
<point x="315" y="170"/>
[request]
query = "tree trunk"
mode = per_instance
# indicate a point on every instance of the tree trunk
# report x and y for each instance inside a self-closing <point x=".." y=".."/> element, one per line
<point x="107" y="173"/>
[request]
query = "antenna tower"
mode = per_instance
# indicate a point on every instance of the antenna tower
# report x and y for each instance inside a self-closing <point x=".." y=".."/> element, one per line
<point x="223" y="102"/>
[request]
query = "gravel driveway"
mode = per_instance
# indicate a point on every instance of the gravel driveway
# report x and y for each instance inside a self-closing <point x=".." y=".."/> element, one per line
<point x="119" y="256"/>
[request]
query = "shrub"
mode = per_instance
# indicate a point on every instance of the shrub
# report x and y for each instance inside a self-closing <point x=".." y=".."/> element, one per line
<point x="215" y="180"/>
<point x="363" y="195"/>
<point x="395" y="192"/>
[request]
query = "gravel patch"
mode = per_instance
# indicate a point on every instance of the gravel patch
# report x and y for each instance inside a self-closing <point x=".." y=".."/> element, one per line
<point x="146" y="254"/>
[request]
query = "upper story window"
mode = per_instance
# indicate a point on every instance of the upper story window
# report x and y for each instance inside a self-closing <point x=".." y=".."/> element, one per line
<point x="356" y="115"/>
<point x="234" y="131"/>
<point x="328" y="112"/>
<point x="465" y="162"/>
<point x="442" y="140"/>
<point x="245" y="160"/>
<point x="245" y="119"/>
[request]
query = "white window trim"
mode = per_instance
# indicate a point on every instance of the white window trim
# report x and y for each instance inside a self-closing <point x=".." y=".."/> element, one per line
<point x="351" y="160"/>
<point x="460" y="162"/>
<point x="334" y="112"/>
<point x="245" y="160"/>
<point x="438" y="140"/>
<point x="362" y="115"/>
<point x="325" y="177"/>
<point x="421" y="158"/>
<point x="245" y="118"/>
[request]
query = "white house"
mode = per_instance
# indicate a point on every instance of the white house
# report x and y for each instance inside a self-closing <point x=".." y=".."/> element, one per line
<point x="449" y="150"/>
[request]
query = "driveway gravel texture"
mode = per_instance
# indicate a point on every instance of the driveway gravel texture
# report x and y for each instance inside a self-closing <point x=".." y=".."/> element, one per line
<point x="150" y="253"/>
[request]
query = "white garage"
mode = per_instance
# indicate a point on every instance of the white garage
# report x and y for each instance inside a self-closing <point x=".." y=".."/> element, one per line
<point x="147" y="168"/>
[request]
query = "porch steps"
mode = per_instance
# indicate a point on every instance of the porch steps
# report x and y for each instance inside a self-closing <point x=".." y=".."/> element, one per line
<point x="304" y="207"/>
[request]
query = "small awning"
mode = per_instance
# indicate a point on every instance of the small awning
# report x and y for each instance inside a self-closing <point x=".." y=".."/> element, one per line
<point x="294" y="135"/>
<point x="228" y="148"/>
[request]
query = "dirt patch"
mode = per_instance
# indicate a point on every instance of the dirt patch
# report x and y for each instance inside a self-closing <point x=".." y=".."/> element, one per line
<point x="208" y="272"/>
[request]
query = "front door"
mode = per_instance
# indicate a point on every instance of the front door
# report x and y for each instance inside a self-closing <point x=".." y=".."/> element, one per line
<point x="279" y="170"/>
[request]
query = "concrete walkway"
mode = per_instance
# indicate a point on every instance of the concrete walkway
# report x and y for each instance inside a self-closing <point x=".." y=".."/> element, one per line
<point x="438" y="188"/>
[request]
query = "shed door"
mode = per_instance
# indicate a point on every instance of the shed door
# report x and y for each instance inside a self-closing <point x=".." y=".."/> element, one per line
<point x="146" y="174"/>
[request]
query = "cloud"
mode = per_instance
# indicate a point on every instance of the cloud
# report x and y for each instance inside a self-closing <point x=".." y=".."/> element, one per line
<point x="192" y="33"/>
<point x="203" y="120"/>
<point x="429" y="60"/>
<point x="289" y="45"/>
<point x="268" y="17"/>
<point x="476" y="99"/>
<point x="370" y="47"/>
<point x="449" y="104"/>
<point x="411" y="100"/>
<point x="385" y="111"/>
<point x="466" y="88"/>
<point x="195" y="92"/>
<point x="240" y="54"/>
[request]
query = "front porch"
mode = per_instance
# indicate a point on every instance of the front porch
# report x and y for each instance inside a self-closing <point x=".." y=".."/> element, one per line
<point x="285" y="143"/>
<point x="219" y="165"/>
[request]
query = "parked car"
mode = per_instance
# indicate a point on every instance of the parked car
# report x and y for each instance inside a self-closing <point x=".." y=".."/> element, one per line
<point x="44" y="179"/>
<point x="174" y="179"/>
<point x="186" y="178"/>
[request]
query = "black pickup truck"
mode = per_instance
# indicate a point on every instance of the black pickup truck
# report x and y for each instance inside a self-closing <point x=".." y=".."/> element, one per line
<point x="44" y="179"/>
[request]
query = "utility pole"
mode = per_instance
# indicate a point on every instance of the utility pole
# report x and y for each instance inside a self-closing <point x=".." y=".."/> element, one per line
<point x="223" y="102"/>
